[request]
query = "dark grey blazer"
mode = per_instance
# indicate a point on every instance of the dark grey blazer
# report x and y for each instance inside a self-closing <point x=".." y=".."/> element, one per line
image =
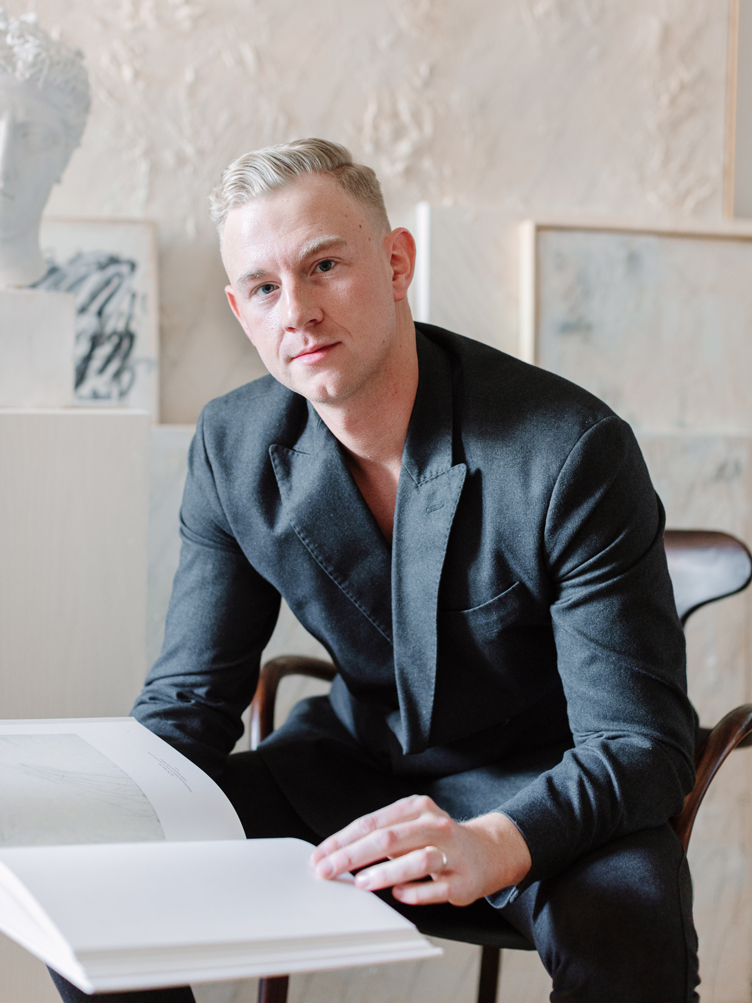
<point x="517" y="647"/>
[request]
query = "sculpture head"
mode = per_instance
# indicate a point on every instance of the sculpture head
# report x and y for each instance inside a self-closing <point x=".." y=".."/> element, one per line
<point x="44" y="101"/>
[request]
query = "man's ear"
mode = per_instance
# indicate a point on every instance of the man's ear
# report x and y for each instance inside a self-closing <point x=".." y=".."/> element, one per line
<point x="402" y="261"/>
<point x="230" y="294"/>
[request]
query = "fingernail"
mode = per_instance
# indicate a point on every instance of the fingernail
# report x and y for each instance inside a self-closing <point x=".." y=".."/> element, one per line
<point x="363" y="880"/>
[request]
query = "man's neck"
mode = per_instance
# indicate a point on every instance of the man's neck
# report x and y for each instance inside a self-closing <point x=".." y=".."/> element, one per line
<point x="372" y="427"/>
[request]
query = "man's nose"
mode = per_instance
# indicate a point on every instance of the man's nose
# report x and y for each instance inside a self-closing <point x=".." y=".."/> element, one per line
<point x="300" y="307"/>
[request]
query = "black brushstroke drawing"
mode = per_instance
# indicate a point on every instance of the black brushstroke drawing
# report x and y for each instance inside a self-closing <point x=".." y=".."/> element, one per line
<point x="106" y="299"/>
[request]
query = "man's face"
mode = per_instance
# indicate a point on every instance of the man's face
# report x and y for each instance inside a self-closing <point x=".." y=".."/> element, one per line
<point x="315" y="286"/>
<point x="34" y="149"/>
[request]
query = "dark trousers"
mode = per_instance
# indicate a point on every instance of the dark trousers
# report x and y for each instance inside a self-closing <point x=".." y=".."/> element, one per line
<point x="616" y="925"/>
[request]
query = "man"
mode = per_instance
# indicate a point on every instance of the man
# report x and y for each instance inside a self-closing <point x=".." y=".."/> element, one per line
<point x="477" y="544"/>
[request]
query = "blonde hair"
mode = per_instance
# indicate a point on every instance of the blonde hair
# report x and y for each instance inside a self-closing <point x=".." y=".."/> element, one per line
<point x="263" y="171"/>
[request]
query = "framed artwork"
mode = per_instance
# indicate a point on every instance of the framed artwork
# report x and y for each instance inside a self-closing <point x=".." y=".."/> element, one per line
<point x="656" y="323"/>
<point x="110" y="267"/>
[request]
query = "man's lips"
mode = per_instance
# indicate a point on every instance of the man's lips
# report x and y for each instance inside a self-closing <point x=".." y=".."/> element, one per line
<point x="314" y="354"/>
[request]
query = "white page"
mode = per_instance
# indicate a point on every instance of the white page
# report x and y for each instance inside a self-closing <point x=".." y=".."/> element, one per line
<point x="103" y="780"/>
<point x="155" y="894"/>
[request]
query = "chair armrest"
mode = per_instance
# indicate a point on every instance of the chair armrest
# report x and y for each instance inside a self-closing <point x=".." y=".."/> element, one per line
<point x="262" y="708"/>
<point x="733" y="730"/>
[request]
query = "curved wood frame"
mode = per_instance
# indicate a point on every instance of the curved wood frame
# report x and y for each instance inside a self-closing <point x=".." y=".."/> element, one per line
<point x="272" y="674"/>
<point x="699" y="541"/>
<point x="732" y="731"/>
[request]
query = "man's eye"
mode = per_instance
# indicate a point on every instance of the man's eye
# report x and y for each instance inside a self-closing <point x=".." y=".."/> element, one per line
<point x="268" y="287"/>
<point x="326" y="265"/>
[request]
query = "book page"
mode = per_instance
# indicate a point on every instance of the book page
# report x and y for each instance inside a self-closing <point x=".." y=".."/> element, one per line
<point x="103" y="780"/>
<point x="194" y="893"/>
<point x="138" y="915"/>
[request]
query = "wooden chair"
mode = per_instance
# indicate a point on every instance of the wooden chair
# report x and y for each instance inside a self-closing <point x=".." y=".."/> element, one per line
<point x="704" y="566"/>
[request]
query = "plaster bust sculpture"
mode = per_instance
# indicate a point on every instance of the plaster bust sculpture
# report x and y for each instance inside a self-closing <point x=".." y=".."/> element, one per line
<point x="44" y="101"/>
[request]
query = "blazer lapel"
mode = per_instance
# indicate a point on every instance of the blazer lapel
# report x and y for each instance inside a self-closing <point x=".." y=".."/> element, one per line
<point x="429" y="491"/>
<point x="332" y="520"/>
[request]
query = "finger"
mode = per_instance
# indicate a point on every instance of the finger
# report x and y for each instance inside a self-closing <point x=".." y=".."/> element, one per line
<point x="404" y="810"/>
<point x="392" y="841"/>
<point x="423" y="892"/>
<point x="412" y="866"/>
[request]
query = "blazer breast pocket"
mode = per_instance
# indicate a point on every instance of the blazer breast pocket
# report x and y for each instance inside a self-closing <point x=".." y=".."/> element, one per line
<point x="491" y="616"/>
<point x="502" y="652"/>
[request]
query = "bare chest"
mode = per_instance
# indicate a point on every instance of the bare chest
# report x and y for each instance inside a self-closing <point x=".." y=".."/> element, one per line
<point x="379" y="489"/>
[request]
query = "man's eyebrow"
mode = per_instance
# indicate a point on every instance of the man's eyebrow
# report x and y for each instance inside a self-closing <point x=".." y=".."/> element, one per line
<point x="319" y="244"/>
<point x="312" y="247"/>
<point x="257" y="273"/>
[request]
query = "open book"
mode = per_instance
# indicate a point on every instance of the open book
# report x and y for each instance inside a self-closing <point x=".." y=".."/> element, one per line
<point x="124" y="866"/>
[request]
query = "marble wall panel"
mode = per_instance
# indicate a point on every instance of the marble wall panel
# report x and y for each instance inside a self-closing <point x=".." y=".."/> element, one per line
<point x="656" y="325"/>
<point x="705" y="483"/>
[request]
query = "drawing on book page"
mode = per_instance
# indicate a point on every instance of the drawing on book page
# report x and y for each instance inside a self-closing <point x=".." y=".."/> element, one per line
<point x="59" y="789"/>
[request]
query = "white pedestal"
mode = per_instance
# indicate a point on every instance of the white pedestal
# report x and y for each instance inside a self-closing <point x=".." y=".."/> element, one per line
<point x="73" y="532"/>
<point x="37" y="335"/>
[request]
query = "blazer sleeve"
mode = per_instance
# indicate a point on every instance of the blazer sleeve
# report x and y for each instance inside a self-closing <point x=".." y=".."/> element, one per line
<point x="220" y="618"/>
<point x="621" y="659"/>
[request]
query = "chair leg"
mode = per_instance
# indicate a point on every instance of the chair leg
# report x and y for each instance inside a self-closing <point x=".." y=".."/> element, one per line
<point x="273" y="990"/>
<point x="490" y="963"/>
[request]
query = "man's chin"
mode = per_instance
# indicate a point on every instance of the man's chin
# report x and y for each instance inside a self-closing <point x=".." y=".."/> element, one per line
<point x="324" y="398"/>
<point x="323" y="394"/>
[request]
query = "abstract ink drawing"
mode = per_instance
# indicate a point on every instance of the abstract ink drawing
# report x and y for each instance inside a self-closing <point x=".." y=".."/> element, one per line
<point x="109" y="266"/>
<point x="105" y="305"/>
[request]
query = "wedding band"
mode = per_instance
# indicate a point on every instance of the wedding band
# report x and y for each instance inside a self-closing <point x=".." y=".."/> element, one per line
<point x="443" y="856"/>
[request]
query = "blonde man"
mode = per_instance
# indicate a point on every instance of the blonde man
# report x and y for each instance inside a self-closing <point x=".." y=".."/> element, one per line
<point x="477" y="544"/>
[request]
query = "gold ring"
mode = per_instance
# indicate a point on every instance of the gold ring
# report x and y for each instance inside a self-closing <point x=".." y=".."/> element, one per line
<point x="443" y="856"/>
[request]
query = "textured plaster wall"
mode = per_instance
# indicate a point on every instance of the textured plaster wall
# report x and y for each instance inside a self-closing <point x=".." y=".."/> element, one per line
<point x="530" y="106"/>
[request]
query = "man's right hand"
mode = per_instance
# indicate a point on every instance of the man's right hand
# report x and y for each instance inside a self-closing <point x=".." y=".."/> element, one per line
<point x="465" y="860"/>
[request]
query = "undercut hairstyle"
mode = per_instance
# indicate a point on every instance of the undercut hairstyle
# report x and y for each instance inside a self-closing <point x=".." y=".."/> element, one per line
<point x="261" y="172"/>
